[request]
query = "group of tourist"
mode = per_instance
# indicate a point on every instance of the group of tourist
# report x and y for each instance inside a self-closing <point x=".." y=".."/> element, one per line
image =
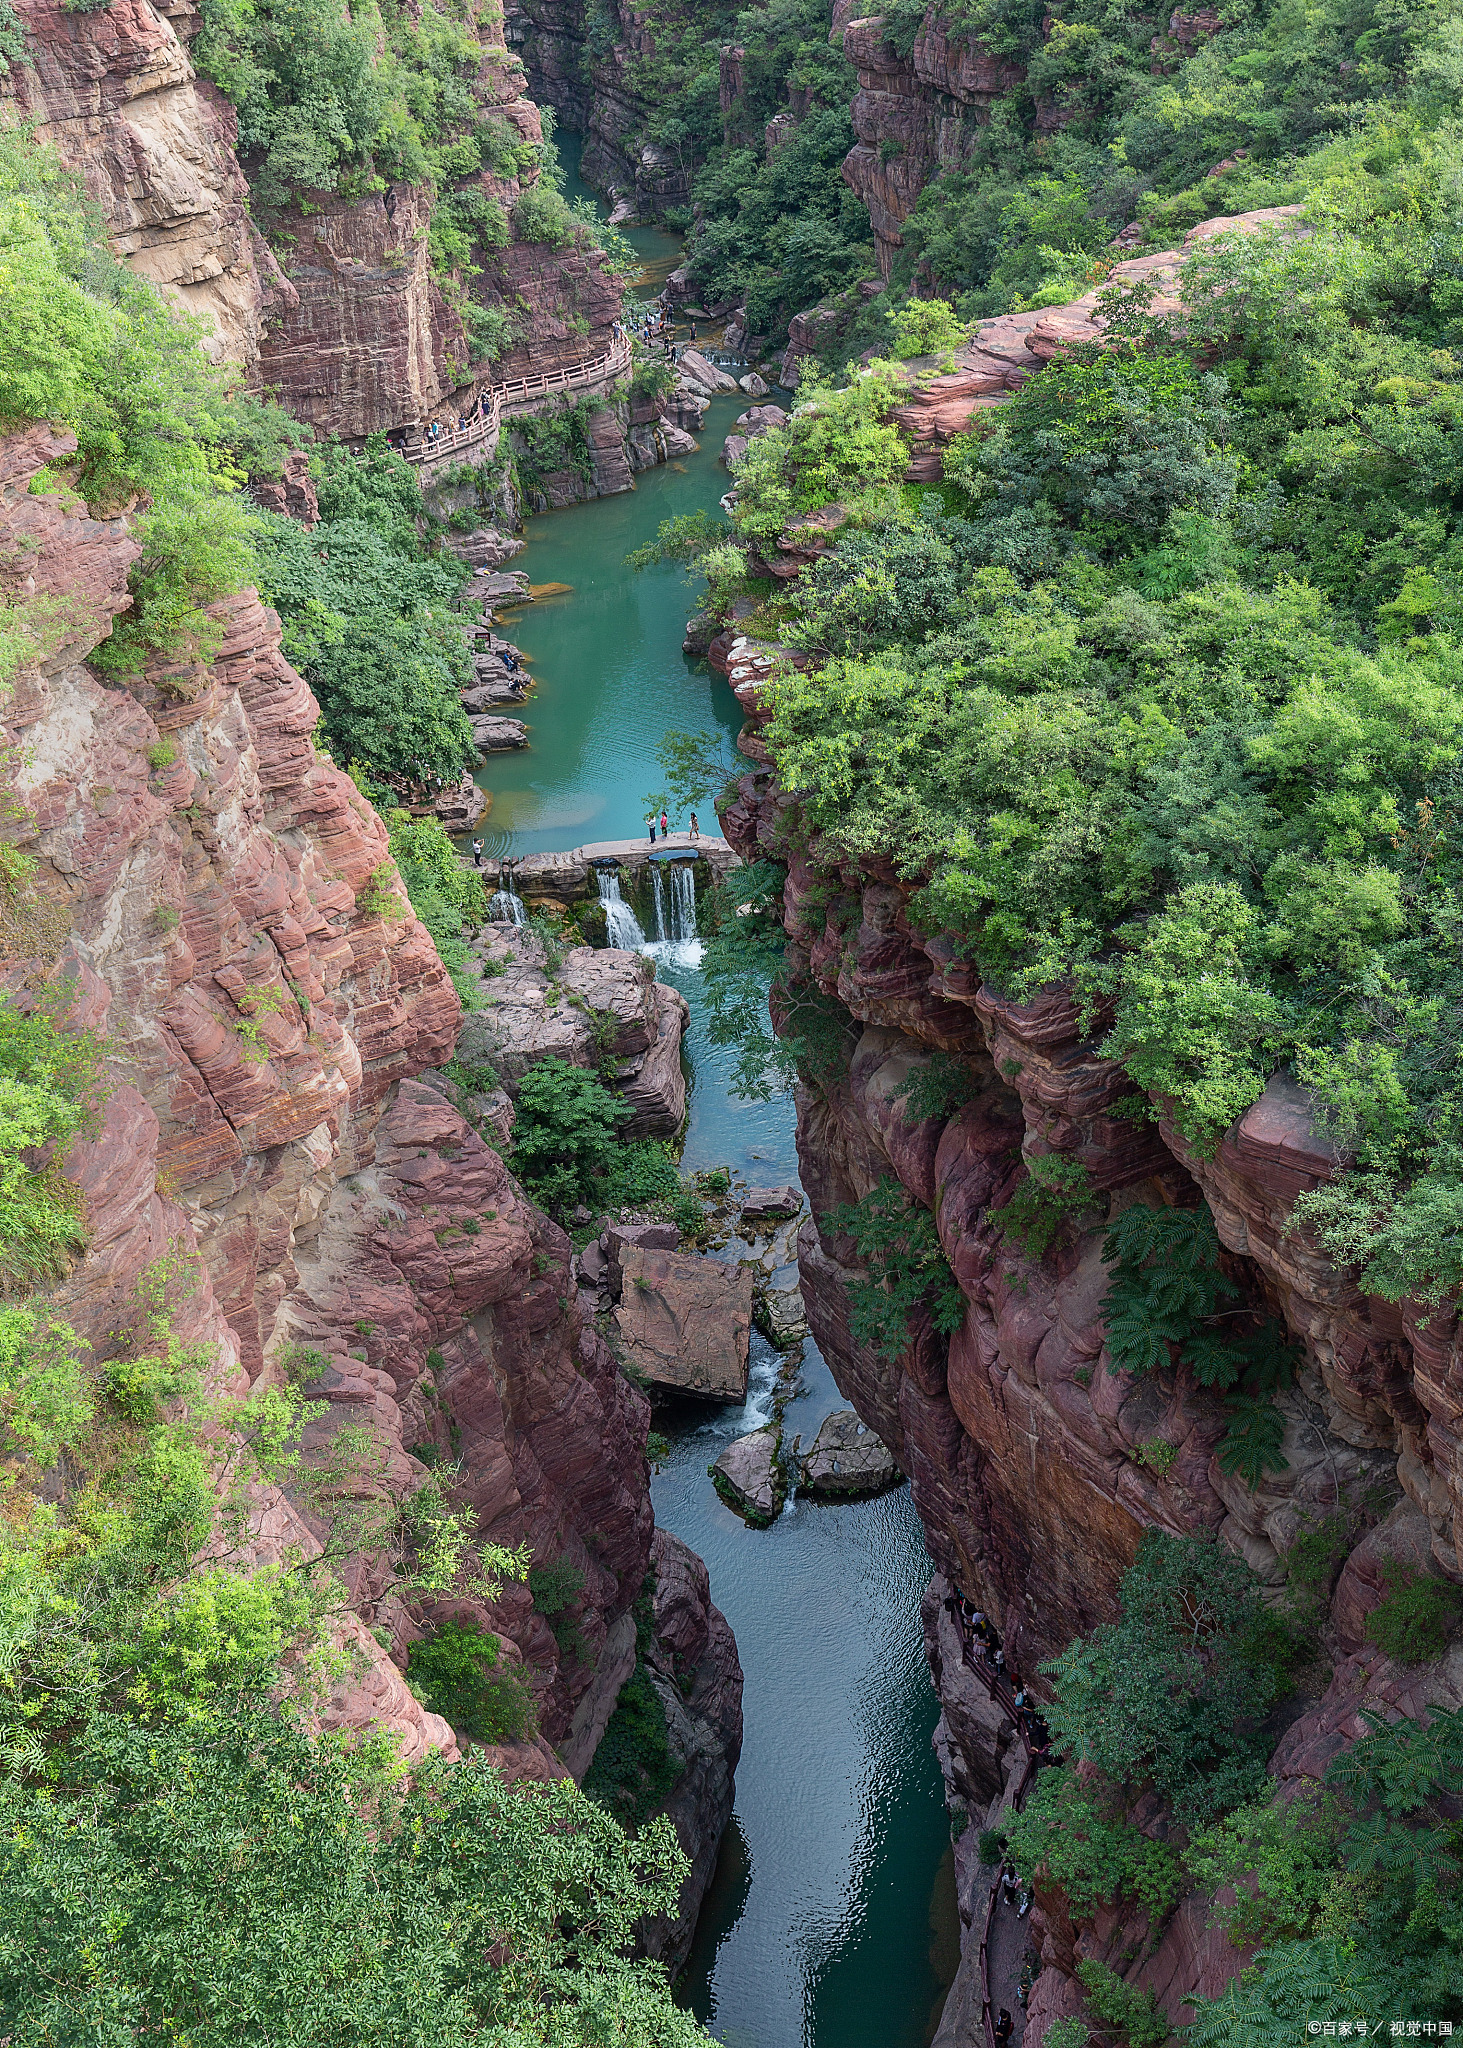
<point x="434" y="430"/>
<point x="979" y="1638"/>
<point x="976" y="1629"/>
<point x="694" y="829"/>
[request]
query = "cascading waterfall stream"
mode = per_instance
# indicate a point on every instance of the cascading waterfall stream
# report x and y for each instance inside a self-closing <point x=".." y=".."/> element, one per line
<point x="506" y="907"/>
<point x="622" y="926"/>
<point x="673" y="916"/>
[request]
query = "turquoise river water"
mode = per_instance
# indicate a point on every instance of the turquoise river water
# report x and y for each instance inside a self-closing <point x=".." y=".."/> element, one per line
<point x="831" y="1920"/>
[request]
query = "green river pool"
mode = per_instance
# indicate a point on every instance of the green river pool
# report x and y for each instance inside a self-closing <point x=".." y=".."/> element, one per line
<point x="831" y="1921"/>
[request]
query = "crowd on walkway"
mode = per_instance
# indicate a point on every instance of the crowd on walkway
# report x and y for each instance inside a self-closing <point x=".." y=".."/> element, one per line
<point x="982" y="1651"/>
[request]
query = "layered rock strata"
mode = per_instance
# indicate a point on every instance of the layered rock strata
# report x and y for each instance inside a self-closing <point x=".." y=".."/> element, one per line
<point x="1031" y="1457"/>
<point x="221" y="897"/>
<point x="115" y="94"/>
<point x="914" y="115"/>
<point x="330" y="303"/>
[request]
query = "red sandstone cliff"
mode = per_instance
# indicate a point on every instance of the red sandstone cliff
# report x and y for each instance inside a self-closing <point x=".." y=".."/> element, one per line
<point x="333" y="305"/>
<point x="1020" y="1439"/>
<point x="194" y="850"/>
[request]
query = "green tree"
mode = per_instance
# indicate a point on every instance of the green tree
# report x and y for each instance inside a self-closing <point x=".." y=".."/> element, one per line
<point x="1173" y="1693"/>
<point x="227" y="1885"/>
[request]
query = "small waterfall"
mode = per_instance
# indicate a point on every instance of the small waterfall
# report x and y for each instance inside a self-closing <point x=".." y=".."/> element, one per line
<point x="673" y="916"/>
<point x="622" y="926"/>
<point x="506" y="908"/>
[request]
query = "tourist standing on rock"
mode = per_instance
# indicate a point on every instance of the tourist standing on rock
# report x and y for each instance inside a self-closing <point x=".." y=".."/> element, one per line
<point x="651" y="823"/>
<point x="477" y="851"/>
<point x="1004" y="2028"/>
<point x="695" y="828"/>
<point x="665" y="826"/>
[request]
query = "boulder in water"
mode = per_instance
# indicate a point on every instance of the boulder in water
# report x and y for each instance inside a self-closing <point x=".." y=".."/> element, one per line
<point x="700" y="371"/>
<point x="753" y="385"/>
<point x="763" y="1206"/>
<point x="686" y="1323"/>
<point x="781" y="1317"/>
<point x="848" y="1461"/>
<point x="748" y="1476"/>
<point x="491" y="735"/>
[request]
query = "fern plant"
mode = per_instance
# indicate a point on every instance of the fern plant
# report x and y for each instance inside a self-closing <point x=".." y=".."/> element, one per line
<point x="897" y="1241"/>
<point x="1167" y="1303"/>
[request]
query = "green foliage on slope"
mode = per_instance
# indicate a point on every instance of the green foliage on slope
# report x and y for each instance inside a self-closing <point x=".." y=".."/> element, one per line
<point x="370" y="618"/>
<point x="1162" y="696"/>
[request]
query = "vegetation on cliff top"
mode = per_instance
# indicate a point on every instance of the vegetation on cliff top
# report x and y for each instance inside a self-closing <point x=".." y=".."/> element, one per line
<point x="1108" y="125"/>
<point x="1160" y="695"/>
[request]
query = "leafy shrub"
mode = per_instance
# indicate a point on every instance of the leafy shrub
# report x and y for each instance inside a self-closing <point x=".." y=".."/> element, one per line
<point x="542" y="215"/>
<point x="837" y="446"/>
<point x="368" y="619"/>
<point x="50" y="1080"/>
<point x="926" y="327"/>
<point x="455" y="1671"/>
<point x="1174" y="1690"/>
<point x="1080" y="1840"/>
<point x="566" y="1132"/>
<point x="897" y="1241"/>
<point x="938" y="1086"/>
<point x="1279" y="1861"/>
<point x="556" y="1588"/>
<point x="445" y="895"/>
<point x="1418" y="1614"/>
<point x="1055" y="1187"/>
<point x="1135" y="2015"/>
<point x="634" y="1768"/>
<point x="1164" y="1304"/>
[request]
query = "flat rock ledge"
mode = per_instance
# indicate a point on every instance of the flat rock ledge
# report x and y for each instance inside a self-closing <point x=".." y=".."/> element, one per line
<point x="847" y="1461"/>
<point x="748" y="1475"/>
<point x="686" y="1322"/>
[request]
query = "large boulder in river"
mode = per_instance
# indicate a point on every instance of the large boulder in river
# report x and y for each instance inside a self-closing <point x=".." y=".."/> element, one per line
<point x="748" y="1476"/>
<point x="700" y="371"/>
<point x="491" y="735"/>
<point x="847" y="1461"/>
<point x="757" y="419"/>
<point x="686" y="1323"/>
<point x="764" y="1206"/>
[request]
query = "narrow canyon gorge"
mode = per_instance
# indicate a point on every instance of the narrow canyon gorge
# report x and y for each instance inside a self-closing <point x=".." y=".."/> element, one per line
<point x="987" y="1188"/>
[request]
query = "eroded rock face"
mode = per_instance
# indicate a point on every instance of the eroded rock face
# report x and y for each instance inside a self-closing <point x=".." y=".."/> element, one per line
<point x="116" y="95"/>
<point x="693" y="1665"/>
<point x="601" y="1005"/>
<point x="206" y="871"/>
<point x="1035" y="1464"/>
<point x="914" y="116"/>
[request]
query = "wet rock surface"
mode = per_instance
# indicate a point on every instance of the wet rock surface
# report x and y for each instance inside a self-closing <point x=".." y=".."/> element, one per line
<point x="600" y="1002"/>
<point x="693" y="1665"/>
<point x="848" y="1461"/>
<point x="748" y="1476"/>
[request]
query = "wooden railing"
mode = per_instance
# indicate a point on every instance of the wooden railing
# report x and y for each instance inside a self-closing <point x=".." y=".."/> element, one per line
<point x="519" y="391"/>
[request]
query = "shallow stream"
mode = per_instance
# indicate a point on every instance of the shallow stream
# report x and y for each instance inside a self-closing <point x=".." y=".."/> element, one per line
<point x="831" y="1921"/>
